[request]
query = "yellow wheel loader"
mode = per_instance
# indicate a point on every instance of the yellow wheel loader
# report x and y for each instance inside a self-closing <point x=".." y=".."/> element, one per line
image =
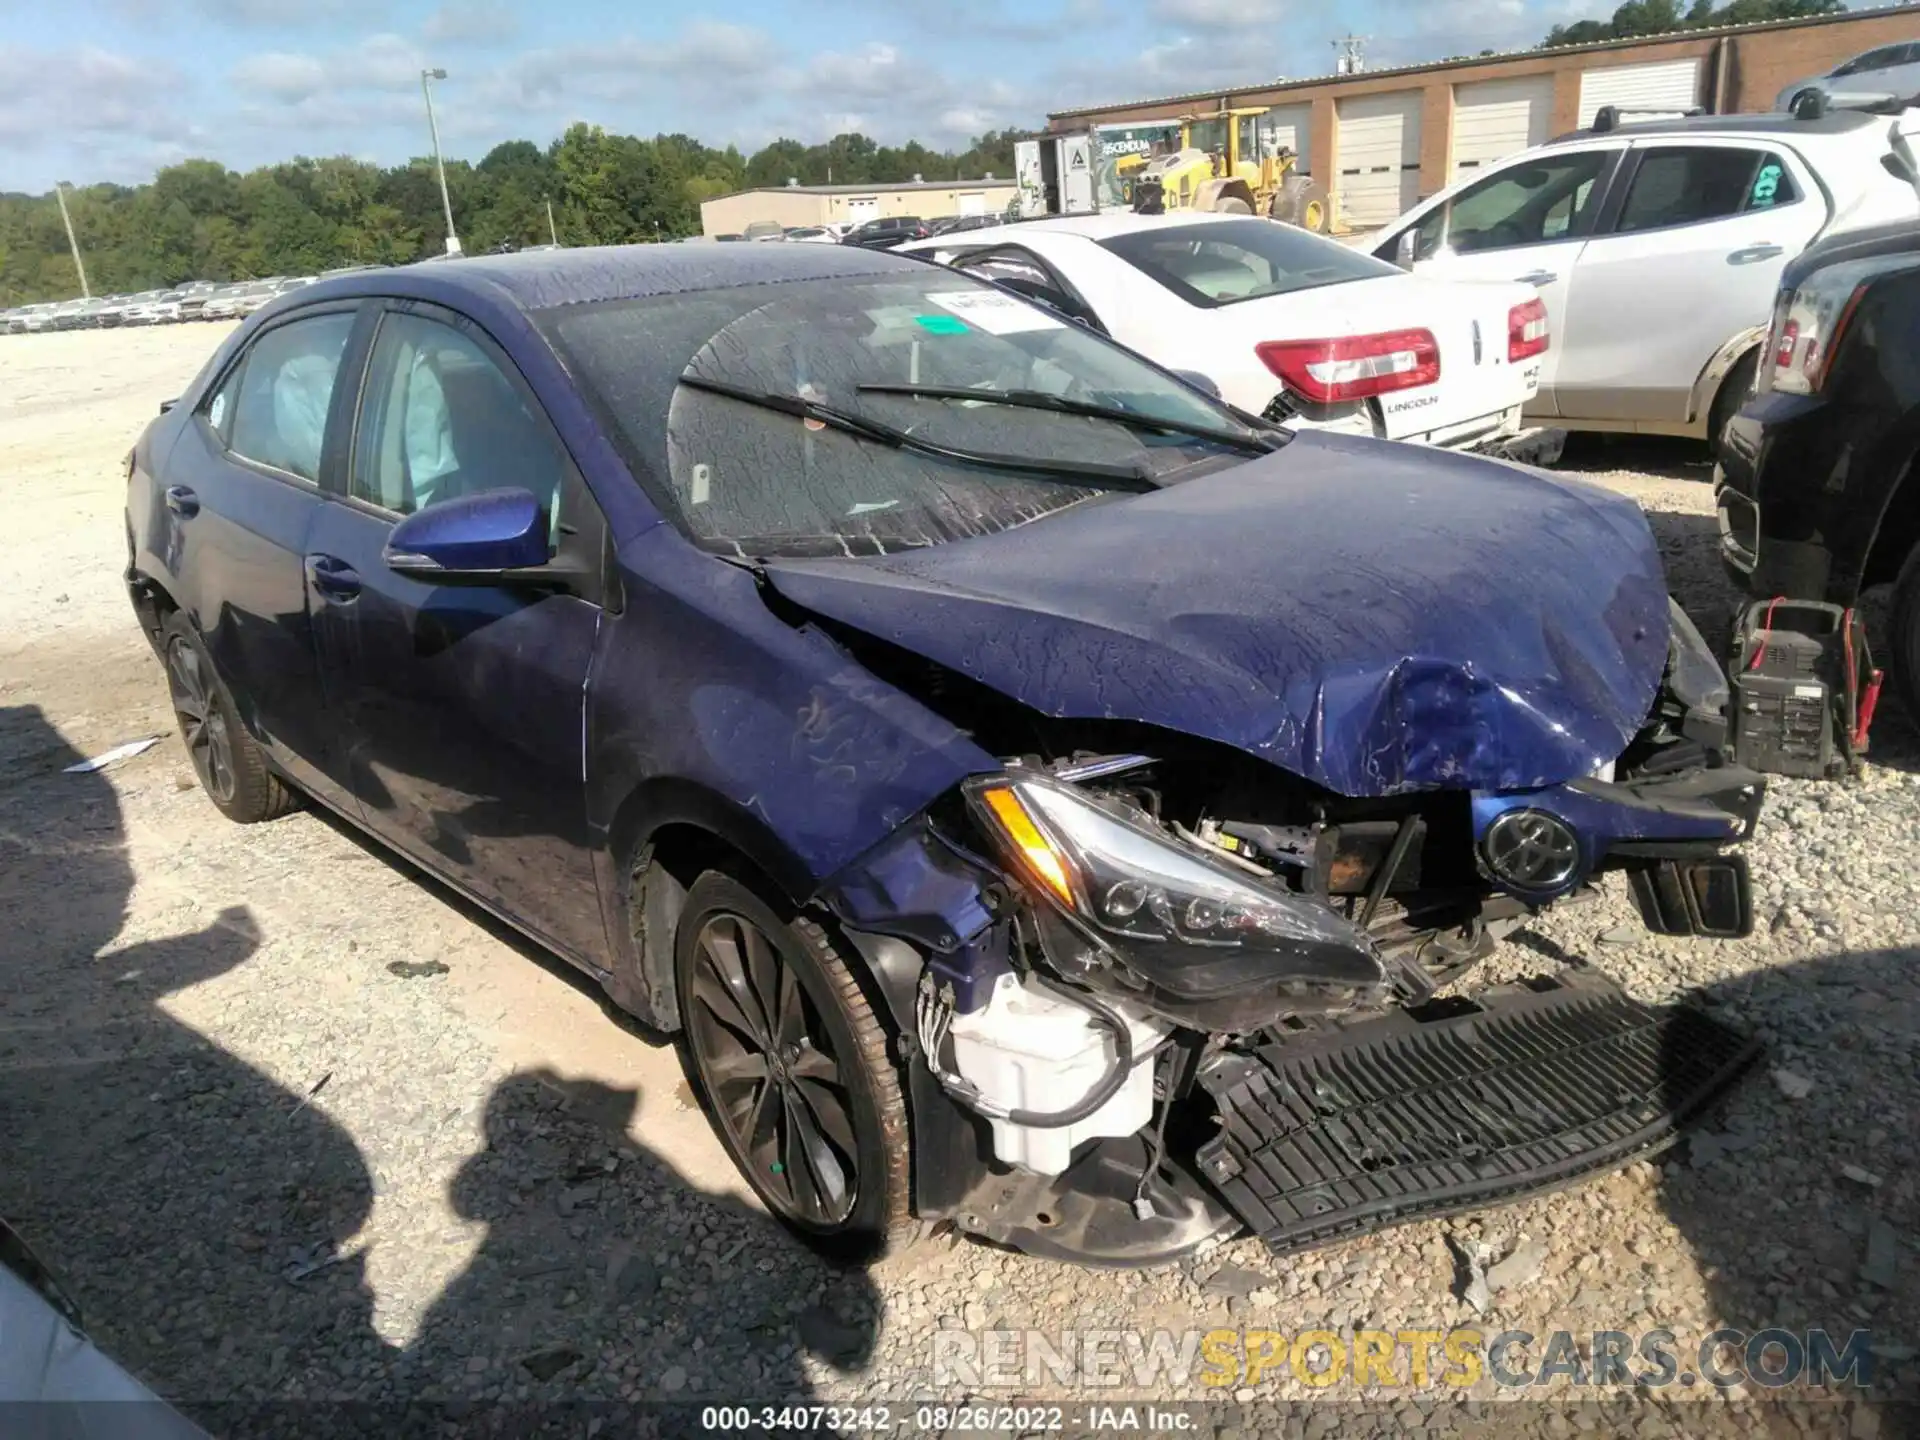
<point x="1228" y="162"/>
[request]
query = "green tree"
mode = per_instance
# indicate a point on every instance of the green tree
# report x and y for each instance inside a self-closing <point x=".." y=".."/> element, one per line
<point x="1661" y="17"/>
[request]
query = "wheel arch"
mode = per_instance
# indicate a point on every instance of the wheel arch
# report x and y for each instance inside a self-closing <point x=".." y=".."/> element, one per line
<point x="152" y="604"/>
<point x="1707" y="386"/>
<point x="663" y="836"/>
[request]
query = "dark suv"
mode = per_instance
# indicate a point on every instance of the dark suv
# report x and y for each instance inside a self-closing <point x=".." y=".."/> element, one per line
<point x="1816" y="487"/>
<point x="885" y="234"/>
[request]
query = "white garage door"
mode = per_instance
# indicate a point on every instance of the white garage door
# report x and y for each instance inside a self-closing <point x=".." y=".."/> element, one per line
<point x="863" y="209"/>
<point x="1668" y="85"/>
<point x="1289" y="125"/>
<point x="973" y="202"/>
<point x="1492" y="119"/>
<point x="1376" y="157"/>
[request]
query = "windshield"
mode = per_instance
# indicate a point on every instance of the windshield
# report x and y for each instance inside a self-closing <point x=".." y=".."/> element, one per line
<point x="1226" y="261"/>
<point x="743" y="479"/>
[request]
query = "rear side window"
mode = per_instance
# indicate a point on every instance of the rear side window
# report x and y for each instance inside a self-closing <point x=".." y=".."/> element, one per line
<point x="1691" y="185"/>
<point x="1232" y="260"/>
<point x="273" y="410"/>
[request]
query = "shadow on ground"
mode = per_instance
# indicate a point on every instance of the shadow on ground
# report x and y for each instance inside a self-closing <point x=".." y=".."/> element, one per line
<point x="1846" y="1150"/>
<point x="205" y="1218"/>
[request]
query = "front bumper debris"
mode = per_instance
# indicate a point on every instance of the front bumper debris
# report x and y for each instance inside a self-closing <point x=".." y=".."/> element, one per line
<point x="1461" y="1105"/>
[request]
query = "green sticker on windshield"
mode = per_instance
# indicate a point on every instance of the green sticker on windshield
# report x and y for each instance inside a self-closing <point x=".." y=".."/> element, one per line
<point x="941" y="324"/>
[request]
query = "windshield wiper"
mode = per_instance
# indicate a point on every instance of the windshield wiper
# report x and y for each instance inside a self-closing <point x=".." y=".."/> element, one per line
<point x="1253" y="443"/>
<point x="1080" y="472"/>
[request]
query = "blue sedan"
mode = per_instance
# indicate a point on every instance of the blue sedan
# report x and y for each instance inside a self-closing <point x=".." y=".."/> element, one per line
<point x="1006" y="764"/>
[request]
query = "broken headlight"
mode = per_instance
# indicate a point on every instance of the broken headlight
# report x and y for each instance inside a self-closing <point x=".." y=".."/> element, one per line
<point x="1183" y="921"/>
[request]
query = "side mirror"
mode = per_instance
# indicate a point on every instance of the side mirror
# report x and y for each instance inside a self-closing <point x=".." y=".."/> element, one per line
<point x="1201" y="382"/>
<point x="470" y="540"/>
<point x="1406" y="248"/>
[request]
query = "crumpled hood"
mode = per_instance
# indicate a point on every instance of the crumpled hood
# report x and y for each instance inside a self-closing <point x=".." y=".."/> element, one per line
<point x="1372" y="617"/>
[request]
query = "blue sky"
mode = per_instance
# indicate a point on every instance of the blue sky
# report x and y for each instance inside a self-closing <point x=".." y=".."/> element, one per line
<point x="111" y="89"/>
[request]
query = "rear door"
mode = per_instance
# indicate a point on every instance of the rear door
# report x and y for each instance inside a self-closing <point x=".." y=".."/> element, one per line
<point x="1689" y="257"/>
<point x="1527" y="220"/>
<point x="462" y="707"/>
<point x="239" y="493"/>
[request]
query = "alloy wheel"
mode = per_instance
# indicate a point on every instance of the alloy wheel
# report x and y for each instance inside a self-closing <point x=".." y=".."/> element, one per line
<point x="768" y="1066"/>
<point x="202" y="723"/>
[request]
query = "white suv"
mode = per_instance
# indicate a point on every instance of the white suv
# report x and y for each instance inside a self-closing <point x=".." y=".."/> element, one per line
<point x="1657" y="248"/>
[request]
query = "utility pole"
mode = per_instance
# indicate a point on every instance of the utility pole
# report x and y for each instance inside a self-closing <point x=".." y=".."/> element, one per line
<point x="60" y="194"/>
<point x="439" y="165"/>
<point x="1350" y="59"/>
<point x="552" y="234"/>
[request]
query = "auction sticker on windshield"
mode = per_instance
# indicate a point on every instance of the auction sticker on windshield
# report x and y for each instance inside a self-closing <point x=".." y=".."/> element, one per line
<point x="995" y="313"/>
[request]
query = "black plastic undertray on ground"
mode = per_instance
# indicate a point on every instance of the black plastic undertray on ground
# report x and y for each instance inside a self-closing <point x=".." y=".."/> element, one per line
<point x="1460" y="1105"/>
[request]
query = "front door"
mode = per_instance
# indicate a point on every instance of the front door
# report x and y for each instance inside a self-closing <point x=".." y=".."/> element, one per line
<point x="1692" y="259"/>
<point x="462" y="706"/>
<point x="1527" y="221"/>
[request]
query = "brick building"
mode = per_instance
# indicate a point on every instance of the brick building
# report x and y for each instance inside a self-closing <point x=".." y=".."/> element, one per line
<point x="1381" y="140"/>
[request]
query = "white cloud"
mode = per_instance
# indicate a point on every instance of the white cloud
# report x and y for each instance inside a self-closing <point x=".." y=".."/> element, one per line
<point x="379" y="62"/>
<point x="104" y="100"/>
<point x="1221" y="14"/>
<point x="480" y="23"/>
<point x="277" y="74"/>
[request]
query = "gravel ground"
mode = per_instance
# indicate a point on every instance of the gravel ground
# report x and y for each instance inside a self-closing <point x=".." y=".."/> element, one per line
<point x="293" y="1123"/>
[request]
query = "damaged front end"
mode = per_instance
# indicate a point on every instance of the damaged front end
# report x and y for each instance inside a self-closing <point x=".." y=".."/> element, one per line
<point x="1149" y="996"/>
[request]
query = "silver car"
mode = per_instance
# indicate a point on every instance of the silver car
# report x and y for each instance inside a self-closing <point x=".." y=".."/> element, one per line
<point x="1885" y="69"/>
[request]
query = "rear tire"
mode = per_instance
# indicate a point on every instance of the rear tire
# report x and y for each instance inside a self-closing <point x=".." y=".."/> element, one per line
<point x="232" y="769"/>
<point x="1733" y="393"/>
<point x="1903" y="625"/>
<point x="791" y="1064"/>
<point x="1301" y="202"/>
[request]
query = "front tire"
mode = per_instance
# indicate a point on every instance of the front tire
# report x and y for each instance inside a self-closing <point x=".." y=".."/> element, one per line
<point x="232" y="769"/>
<point x="792" y="1066"/>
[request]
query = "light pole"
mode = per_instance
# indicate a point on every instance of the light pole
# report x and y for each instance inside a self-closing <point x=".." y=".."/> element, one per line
<point x="60" y="194"/>
<point x="427" y="77"/>
<point x="552" y="234"/>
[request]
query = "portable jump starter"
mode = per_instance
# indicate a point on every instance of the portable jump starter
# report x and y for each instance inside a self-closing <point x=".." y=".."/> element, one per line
<point x="1797" y="667"/>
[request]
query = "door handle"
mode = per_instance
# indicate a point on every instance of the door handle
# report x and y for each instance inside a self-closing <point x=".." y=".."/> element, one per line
<point x="1750" y="253"/>
<point x="1537" y="277"/>
<point x="182" y="501"/>
<point x="332" y="577"/>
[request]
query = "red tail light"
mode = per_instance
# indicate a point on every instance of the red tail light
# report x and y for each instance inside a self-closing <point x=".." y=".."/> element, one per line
<point x="1788" y="342"/>
<point x="1527" y="330"/>
<point x="1353" y="367"/>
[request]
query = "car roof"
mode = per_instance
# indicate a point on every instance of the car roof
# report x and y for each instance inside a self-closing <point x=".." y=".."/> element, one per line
<point x="588" y="275"/>
<point x="1833" y="123"/>
<point x="1088" y="227"/>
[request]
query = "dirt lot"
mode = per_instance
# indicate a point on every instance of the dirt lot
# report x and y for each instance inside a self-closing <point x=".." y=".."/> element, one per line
<point x="292" y="1122"/>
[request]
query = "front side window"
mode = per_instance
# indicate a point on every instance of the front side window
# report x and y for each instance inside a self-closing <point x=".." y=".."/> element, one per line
<point x="443" y="420"/>
<point x="1532" y="203"/>
<point x="1226" y="261"/>
<point x="967" y="367"/>
<point x="1690" y="185"/>
<point x="274" y="409"/>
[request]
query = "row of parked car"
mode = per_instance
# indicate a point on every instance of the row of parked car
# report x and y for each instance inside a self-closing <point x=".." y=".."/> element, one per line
<point x="880" y="234"/>
<point x="200" y="300"/>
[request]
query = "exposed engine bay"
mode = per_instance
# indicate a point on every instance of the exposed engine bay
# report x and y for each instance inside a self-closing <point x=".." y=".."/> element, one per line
<point x="1165" y="995"/>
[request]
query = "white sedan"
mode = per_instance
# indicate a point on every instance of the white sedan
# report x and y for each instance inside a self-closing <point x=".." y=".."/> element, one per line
<point x="1285" y="323"/>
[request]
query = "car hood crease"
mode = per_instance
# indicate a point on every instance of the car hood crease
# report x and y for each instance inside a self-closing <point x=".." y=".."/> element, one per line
<point x="1374" y="618"/>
